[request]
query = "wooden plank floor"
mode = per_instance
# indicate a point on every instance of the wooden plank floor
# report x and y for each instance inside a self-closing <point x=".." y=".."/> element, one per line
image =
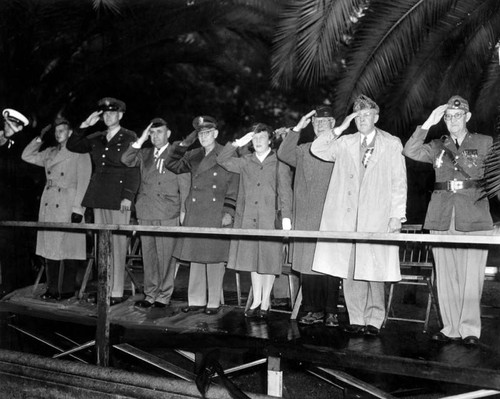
<point x="400" y="349"/>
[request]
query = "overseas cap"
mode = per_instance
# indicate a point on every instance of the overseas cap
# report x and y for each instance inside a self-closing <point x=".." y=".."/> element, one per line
<point x="61" y="121"/>
<point x="15" y="116"/>
<point x="204" y="123"/>
<point x="457" y="102"/>
<point x="157" y="122"/>
<point x="364" y="102"/>
<point x="111" y="104"/>
<point x="324" y="111"/>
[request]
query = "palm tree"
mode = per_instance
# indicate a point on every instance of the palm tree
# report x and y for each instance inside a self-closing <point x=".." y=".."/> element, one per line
<point x="409" y="55"/>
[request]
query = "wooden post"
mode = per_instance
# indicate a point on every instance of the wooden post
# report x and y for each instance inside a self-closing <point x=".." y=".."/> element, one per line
<point x="103" y="297"/>
<point x="274" y="377"/>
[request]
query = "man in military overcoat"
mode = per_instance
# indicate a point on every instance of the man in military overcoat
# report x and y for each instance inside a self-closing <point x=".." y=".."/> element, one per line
<point x="456" y="207"/>
<point x="211" y="203"/>
<point x="13" y="122"/>
<point x="113" y="185"/>
<point x="160" y="202"/>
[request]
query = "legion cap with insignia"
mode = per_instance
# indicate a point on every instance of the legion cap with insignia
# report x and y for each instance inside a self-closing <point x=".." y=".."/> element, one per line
<point x="61" y="121"/>
<point x="324" y="111"/>
<point x="204" y="123"/>
<point x="364" y="102"/>
<point x="15" y="116"/>
<point x="457" y="102"/>
<point x="157" y="122"/>
<point x="111" y="104"/>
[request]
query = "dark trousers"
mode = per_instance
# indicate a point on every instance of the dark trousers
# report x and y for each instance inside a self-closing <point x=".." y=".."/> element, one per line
<point x="320" y="293"/>
<point x="65" y="284"/>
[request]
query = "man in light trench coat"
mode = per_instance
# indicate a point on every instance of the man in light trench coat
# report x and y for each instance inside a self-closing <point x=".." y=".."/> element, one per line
<point x="367" y="193"/>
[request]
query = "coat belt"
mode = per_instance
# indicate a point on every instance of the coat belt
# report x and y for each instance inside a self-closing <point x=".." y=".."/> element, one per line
<point x="454" y="185"/>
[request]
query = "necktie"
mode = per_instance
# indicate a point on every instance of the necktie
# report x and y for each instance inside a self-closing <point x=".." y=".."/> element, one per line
<point x="158" y="161"/>
<point x="367" y="152"/>
<point x="456" y="143"/>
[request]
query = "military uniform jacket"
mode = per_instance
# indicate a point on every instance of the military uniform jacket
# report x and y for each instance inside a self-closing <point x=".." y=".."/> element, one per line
<point x="162" y="193"/>
<point x="213" y="193"/>
<point x="111" y="181"/>
<point x="471" y="214"/>
<point x="309" y="192"/>
<point x="68" y="176"/>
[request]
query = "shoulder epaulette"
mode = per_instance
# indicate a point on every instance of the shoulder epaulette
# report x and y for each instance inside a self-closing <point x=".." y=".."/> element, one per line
<point x="95" y="135"/>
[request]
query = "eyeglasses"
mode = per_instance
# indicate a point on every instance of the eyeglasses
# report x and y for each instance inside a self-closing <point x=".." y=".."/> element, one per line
<point x="457" y="116"/>
<point x="204" y="133"/>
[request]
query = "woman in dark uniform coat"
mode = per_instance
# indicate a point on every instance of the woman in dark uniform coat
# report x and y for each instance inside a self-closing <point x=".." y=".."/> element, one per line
<point x="259" y="172"/>
<point x="210" y="203"/>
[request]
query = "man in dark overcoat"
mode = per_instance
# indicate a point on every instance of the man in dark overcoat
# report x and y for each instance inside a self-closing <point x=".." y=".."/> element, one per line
<point x="210" y="203"/>
<point x="160" y="202"/>
<point x="319" y="291"/>
<point x="113" y="185"/>
<point x="456" y="207"/>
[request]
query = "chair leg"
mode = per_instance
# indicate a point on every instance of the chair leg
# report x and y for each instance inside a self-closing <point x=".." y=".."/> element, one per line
<point x="389" y="304"/>
<point x="238" y="287"/>
<point x="249" y="299"/>
<point x="435" y="303"/>
<point x="298" y="303"/>
<point x="429" y="304"/>
<point x="86" y="276"/>
<point x="293" y="283"/>
<point x="38" y="278"/>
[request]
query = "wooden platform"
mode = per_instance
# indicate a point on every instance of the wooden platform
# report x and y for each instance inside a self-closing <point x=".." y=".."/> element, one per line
<point x="401" y="348"/>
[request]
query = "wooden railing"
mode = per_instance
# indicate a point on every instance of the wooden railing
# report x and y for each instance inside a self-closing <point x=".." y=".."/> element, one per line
<point x="104" y="232"/>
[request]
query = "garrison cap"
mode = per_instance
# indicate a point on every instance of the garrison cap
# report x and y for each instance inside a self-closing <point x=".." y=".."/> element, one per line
<point x="324" y="111"/>
<point x="111" y="104"/>
<point x="204" y="123"/>
<point x="15" y="116"/>
<point x="457" y="102"/>
<point x="364" y="102"/>
<point x="61" y="121"/>
<point x="157" y="122"/>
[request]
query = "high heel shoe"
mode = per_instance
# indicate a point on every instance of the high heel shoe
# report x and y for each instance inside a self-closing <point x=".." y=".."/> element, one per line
<point x="253" y="313"/>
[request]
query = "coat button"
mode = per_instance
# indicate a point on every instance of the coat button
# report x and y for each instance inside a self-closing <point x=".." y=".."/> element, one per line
<point x="261" y="167"/>
<point x="62" y="173"/>
<point x="103" y="164"/>
<point x="214" y="200"/>
<point x="57" y="205"/>
<point x="59" y="190"/>
<point x="214" y="186"/>
<point x="255" y="220"/>
<point x="106" y="149"/>
<point x="46" y="204"/>
<point x="258" y="184"/>
<point x="194" y="199"/>
<point x="48" y="172"/>
<point x="456" y="157"/>
<point x="104" y="155"/>
<point x="455" y="168"/>
<point x="256" y="202"/>
<point x="159" y="183"/>
<point x="121" y="181"/>
<point x="215" y="173"/>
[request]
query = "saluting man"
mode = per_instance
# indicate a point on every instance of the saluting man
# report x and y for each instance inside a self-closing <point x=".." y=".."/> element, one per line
<point x="210" y="203"/>
<point x="14" y="122"/>
<point x="456" y="207"/>
<point x="113" y="185"/>
<point x="160" y="202"/>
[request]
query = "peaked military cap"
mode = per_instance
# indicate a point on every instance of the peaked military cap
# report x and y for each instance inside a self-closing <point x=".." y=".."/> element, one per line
<point x="324" y="111"/>
<point x="457" y="102"/>
<point x="204" y="123"/>
<point x="364" y="102"/>
<point x="111" y="104"/>
<point x="157" y="122"/>
<point x="15" y="116"/>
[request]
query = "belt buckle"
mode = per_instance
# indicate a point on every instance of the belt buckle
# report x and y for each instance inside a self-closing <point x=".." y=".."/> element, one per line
<point x="49" y="183"/>
<point x="454" y="185"/>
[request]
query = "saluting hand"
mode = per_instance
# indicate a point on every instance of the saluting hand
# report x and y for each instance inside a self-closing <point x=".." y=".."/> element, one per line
<point x="91" y="120"/>
<point x="190" y="139"/>
<point x="243" y="141"/>
<point x="145" y="135"/>
<point x="125" y="205"/>
<point x="347" y="121"/>
<point x="45" y="130"/>
<point x="304" y="121"/>
<point x="434" y="117"/>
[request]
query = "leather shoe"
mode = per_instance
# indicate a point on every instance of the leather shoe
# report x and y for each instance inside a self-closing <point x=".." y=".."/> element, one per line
<point x="440" y="337"/>
<point x="211" y="311"/>
<point x="371" y="331"/>
<point x="192" y="308"/>
<point x="159" y="305"/>
<point x="253" y="313"/>
<point x="354" y="329"/>
<point x="143" y="304"/>
<point x="115" y="300"/>
<point x="49" y="296"/>
<point x="471" y="341"/>
<point x="264" y="314"/>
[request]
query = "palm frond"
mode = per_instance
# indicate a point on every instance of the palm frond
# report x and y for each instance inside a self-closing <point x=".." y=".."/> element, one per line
<point x="307" y="37"/>
<point x="387" y="38"/>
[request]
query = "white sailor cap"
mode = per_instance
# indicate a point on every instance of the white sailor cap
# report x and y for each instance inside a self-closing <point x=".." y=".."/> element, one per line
<point x="15" y="116"/>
